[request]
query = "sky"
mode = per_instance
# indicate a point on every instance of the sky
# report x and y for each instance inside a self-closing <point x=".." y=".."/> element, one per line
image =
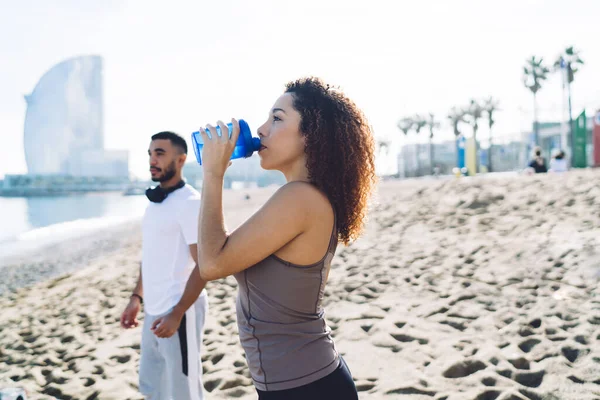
<point x="182" y="64"/>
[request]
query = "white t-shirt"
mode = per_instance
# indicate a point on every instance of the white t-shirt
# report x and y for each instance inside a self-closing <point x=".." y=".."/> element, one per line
<point x="558" y="165"/>
<point x="168" y="228"/>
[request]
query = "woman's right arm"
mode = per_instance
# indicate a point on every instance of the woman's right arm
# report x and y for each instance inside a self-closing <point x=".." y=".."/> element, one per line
<point x="284" y="217"/>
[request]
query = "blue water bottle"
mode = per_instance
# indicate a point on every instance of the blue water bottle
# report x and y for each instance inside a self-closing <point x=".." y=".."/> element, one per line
<point x="244" y="147"/>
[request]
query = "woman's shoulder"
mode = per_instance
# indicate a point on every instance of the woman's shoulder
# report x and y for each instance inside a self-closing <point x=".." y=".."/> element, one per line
<point x="301" y="188"/>
<point x="303" y="194"/>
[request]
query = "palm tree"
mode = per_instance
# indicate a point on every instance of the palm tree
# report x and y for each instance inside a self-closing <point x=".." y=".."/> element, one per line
<point x="456" y="117"/>
<point x="419" y="122"/>
<point x="490" y="107"/>
<point x="383" y="146"/>
<point x="405" y="125"/>
<point x="474" y="114"/>
<point x="432" y="124"/>
<point x="534" y="73"/>
<point x="570" y="61"/>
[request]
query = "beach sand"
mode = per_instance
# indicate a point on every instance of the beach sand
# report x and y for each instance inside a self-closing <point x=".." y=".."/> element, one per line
<point x="473" y="288"/>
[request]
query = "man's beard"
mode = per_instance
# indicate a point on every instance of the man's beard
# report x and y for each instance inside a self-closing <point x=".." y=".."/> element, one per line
<point x="167" y="175"/>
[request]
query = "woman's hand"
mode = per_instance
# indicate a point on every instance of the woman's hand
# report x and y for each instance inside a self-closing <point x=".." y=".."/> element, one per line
<point x="217" y="150"/>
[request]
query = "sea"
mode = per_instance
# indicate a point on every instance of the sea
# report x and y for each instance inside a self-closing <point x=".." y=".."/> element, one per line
<point x="29" y="223"/>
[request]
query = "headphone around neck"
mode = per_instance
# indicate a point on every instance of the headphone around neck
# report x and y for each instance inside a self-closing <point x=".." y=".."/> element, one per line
<point x="157" y="194"/>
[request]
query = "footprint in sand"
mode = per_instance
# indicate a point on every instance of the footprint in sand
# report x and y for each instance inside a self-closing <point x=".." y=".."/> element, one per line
<point x="235" y="382"/>
<point x="121" y="359"/>
<point x="489" y="381"/>
<point x="575" y="379"/>
<point x="412" y="391"/>
<point x="507" y="373"/>
<point x="529" y="344"/>
<point x="236" y="393"/>
<point x="581" y="339"/>
<point x="520" y="363"/>
<point x="488" y="395"/>
<point x="572" y="354"/>
<point x="464" y="368"/>
<point x="536" y="323"/>
<point x="89" y="382"/>
<point x="212" y="384"/>
<point x="458" y="325"/>
<point x="530" y="379"/>
<point x="407" y="338"/>
<point x="98" y="370"/>
<point x="216" y="358"/>
<point x="525" y="332"/>
<point x="365" y="386"/>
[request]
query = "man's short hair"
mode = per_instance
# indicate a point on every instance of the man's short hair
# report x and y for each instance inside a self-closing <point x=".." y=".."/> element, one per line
<point x="176" y="140"/>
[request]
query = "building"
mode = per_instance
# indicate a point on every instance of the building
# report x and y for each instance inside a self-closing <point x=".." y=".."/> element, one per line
<point x="414" y="159"/>
<point x="555" y="136"/>
<point x="64" y="132"/>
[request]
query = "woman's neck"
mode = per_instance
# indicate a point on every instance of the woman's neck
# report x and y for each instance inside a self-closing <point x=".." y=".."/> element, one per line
<point x="297" y="172"/>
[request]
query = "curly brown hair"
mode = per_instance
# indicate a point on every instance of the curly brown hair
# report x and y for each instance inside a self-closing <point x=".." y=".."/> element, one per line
<point x="340" y="151"/>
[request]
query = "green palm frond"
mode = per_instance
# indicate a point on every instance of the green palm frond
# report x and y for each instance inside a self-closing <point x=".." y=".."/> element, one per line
<point x="534" y="73"/>
<point x="405" y="125"/>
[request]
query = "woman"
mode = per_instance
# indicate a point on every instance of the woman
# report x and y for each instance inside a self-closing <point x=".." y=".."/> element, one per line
<point x="281" y="256"/>
<point x="538" y="163"/>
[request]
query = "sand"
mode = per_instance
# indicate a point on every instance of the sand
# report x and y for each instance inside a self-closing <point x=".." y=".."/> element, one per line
<point x="473" y="288"/>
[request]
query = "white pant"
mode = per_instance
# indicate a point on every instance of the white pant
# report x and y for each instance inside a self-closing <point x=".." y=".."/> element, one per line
<point x="171" y="368"/>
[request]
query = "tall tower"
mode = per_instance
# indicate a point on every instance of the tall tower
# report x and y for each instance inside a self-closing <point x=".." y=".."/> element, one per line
<point x="64" y="117"/>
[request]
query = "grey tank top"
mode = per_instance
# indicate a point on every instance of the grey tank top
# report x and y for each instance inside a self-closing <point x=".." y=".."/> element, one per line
<point x="281" y="321"/>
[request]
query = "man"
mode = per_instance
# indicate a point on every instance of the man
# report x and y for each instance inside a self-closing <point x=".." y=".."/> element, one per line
<point x="170" y="364"/>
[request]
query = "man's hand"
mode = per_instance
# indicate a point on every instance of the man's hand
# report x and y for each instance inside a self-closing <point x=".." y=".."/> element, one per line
<point x="129" y="316"/>
<point x="165" y="327"/>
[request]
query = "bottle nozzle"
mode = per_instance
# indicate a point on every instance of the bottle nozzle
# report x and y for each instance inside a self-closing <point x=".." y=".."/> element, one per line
<point x="255" y="144"/>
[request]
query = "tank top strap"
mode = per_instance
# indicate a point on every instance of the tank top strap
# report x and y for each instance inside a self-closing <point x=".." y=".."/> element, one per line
<point x="333" y="241"/>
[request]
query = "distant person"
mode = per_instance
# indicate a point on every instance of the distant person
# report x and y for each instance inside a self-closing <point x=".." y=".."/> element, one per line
<point x="538" y="163"/>
<point x="170" y="364"/>
<point x="281" y="256"/>
<point x="559" y="163"/>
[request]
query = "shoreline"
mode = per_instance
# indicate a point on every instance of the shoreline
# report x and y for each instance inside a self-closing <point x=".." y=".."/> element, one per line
<point x="56" y="259"/>
<point x="37" y="263"/>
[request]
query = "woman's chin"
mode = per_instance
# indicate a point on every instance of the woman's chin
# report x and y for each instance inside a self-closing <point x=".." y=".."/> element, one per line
<point x="264" y="165"/>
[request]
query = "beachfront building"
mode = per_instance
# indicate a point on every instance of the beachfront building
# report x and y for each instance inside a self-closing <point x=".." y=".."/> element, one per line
<point x="554" y="136"/>
<point x="64" y="135"/>
<point x="509" y="152"/>
<point x="64" y="132"/>
<point x="413" y="159"/>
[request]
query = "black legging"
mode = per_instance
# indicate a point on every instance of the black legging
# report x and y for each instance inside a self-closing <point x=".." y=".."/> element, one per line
<point x="337" y="385"/>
